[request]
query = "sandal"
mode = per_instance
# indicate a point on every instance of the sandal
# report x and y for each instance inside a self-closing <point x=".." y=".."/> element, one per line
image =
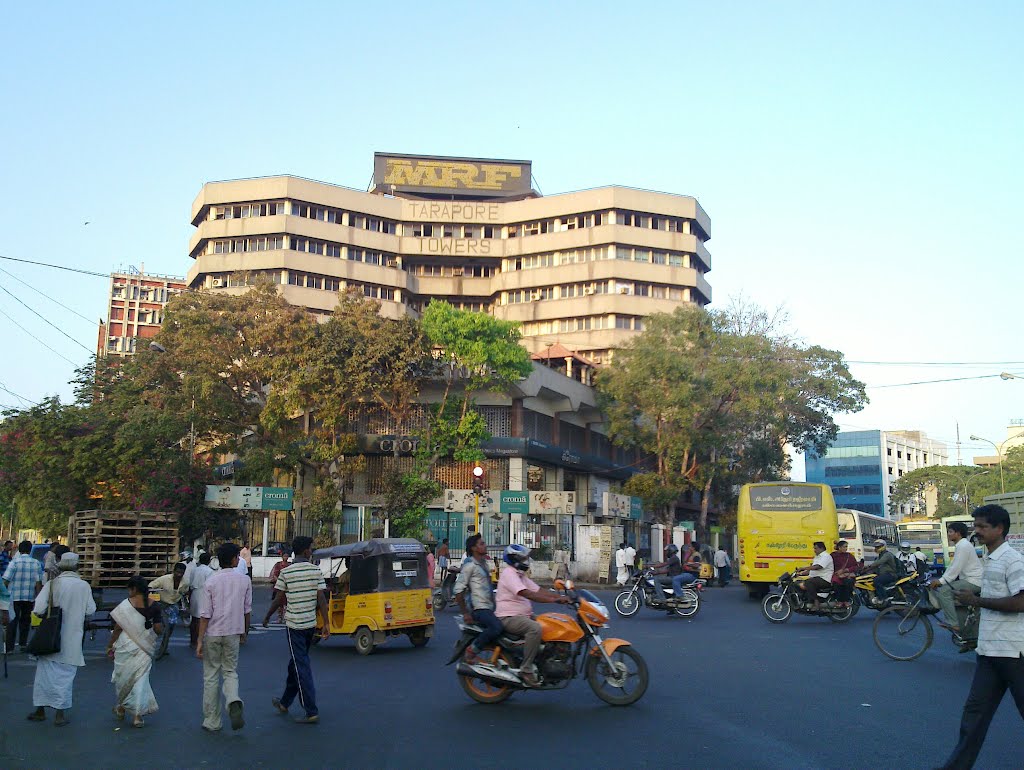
<point x="119" y="713"/>
<point x="138" y="722"/>
<point x="37" y="716"/>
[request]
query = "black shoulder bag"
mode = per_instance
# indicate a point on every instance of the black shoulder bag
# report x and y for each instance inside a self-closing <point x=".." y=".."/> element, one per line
<point x="46" y="639"/>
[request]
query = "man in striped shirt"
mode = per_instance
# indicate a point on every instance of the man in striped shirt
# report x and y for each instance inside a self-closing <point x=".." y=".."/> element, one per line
<point x="1000" y="637"/>
<point x="301" y="584"/>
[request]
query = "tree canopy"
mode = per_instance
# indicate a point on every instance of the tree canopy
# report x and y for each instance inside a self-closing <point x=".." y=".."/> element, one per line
<point x="957" y="489"/>
<point x="715" y="396"/>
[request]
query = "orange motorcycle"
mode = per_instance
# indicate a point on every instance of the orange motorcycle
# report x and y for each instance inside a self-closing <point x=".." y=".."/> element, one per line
<point x="570" y="647"/>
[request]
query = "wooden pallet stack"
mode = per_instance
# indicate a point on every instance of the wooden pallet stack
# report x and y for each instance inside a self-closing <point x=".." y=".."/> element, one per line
<point x="114" y="545"/>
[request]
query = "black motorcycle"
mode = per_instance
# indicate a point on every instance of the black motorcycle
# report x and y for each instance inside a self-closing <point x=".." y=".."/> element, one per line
<point x="640" y="592"/>
<point x="779" y="607"/>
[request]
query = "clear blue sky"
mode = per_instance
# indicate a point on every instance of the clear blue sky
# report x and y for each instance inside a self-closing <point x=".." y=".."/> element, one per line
<point x="861" y="164"/>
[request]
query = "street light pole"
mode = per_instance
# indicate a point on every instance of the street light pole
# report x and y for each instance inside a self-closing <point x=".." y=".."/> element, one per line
<point x="968" y="481"/>
<point x="999" y="455"/>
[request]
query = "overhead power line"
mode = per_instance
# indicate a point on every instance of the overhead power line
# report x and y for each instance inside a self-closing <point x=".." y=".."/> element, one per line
<point x="8" y="390"/>
<point x="44" y="319"/>
<point x="44" y="294"/>
<point x="30" y="334"/>
<point x="929" y="382"/>
<point x="56" y="267"/>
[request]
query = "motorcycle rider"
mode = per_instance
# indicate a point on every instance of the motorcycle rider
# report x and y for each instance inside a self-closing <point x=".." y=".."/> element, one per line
<point x="845" y="564"/>
<point x="820" y="573"/>
<point x="887" y="571"/>
<point x="666" y="570"/>
<point x="515" y="592"/>
<point x="691" y="569"/>
<point x="475" y="578"/>
<point x="907" y="558"/>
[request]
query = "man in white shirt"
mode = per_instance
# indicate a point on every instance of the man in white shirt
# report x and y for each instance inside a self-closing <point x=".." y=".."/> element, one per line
<point x="622" y="571"/>
<point x="1000" y="663"/>
<point x="723" y="566"/>
<point x="820" y="574"/>
<point x="199" y="577"/>
<point x="963" y="574"/>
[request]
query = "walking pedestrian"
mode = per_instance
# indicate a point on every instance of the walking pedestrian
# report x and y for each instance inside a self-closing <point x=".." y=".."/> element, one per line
<point x="132" y="647"/>
<point x="55" y="674"/>
<point x="431" y="565"/>
<point x="200" y="575"/>
<point x="275" y="572"/>
<point x="1000" y="664"/>
<point x="6" y="554"/>
<point x="723" y="565"/>
<point x="302" y="585"/>
<point x="245" y="560"/>
<point x="24" y="578"/>
<point x="443" y="556"/>
<point x="171" y="587"/>
<point x="226" y="613"/>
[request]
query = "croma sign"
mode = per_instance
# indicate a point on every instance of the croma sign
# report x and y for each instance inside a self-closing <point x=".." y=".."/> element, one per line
<point x="417" y="173"/>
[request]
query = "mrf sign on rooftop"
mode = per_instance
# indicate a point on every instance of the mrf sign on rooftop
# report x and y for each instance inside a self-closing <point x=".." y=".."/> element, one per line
<point x="441" y="176"/>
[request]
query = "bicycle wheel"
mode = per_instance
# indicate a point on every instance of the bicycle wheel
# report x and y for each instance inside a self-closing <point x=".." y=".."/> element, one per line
<point x="902" y="634"/>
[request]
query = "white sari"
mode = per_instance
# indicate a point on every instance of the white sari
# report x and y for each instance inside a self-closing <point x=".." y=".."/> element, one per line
<point x="133" y="659"/>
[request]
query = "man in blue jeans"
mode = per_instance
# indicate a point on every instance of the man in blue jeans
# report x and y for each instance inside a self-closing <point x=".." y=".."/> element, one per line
<point x="301" y="584"/>
<point x="476" y="579"/>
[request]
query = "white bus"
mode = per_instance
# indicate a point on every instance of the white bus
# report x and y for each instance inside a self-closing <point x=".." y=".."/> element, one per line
<point x="925" y="534"/>
<point x="861" y="529"/>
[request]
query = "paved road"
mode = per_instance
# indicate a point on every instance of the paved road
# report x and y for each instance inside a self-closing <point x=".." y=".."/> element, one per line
<point x="729" y="690"/>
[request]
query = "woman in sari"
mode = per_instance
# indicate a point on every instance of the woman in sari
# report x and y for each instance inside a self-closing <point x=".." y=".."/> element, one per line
<point x="132" y="647"/>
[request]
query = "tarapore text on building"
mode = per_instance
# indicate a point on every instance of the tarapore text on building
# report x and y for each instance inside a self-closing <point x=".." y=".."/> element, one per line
<point x="582" y="268"/>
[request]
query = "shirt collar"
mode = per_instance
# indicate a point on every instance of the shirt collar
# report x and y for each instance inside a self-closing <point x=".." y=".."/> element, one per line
<point x="999" y="552"/>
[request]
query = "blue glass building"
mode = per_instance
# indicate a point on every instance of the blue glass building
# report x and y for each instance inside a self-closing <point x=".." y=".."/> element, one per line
<point x="862" y="465"/>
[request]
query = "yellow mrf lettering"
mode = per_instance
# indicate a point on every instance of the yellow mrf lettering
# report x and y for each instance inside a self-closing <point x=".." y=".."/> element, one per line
<point x="496" y="174"/>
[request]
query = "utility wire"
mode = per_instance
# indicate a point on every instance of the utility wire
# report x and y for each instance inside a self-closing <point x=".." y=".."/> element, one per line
<point x="44" y="294"/>
<point x="30" y="334"/>
<point x="57" y="267"/>
<point x="8" y="390"/>
<point x="929" y="382"/>
<point x="45" y="320"/>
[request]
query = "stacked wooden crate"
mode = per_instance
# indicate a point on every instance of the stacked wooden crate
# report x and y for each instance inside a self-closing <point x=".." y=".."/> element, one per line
<point x="114" y="545"/>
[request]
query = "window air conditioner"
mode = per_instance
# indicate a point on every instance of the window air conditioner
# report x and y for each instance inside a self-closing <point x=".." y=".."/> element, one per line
<point x="624" y="290"/>
<point x="535" y="296"/>
<point x="218" y="283"/>
<point x="589" y="290"/>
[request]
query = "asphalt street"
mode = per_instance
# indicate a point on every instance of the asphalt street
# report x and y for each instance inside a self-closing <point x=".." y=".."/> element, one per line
<point x="728" y="690"/>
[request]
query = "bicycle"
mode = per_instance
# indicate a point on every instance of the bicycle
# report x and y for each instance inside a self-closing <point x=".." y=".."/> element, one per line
<point x="905" y="633"/>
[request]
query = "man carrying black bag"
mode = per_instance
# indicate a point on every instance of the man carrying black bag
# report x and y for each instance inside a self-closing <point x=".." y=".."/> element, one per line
<point x="55" y="672"/>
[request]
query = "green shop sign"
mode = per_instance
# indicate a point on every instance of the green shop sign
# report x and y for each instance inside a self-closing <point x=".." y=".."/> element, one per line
<point x="514" y="502"/>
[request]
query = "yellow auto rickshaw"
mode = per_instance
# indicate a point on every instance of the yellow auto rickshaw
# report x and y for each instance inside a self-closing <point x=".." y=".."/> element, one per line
<point x="385" y="591"/>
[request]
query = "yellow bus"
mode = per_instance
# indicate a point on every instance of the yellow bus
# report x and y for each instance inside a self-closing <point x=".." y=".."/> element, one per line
<point x="777" y="523"/>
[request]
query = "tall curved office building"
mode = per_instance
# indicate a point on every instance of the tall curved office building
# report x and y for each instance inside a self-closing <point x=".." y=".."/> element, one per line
<point x="580" y="269"/>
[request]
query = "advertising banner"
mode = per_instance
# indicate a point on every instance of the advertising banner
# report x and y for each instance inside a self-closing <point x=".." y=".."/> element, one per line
<point x="228" y="497"/>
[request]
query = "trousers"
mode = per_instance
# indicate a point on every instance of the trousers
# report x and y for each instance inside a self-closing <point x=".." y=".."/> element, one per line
<point x="992" y="678"/>
<point x="529" y="629"/>
<point x="492" y="628"/>
<point x="944" y="594"/>
<point x="300" y="673"/>
<point x="220" y="674"/>
<point x="20" y="624"/>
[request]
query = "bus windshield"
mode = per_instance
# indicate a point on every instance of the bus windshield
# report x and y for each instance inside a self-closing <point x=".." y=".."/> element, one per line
<point x="847" y="525"/>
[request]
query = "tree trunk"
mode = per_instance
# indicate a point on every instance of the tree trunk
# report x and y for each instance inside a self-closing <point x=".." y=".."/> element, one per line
<point x="705" y="503"/>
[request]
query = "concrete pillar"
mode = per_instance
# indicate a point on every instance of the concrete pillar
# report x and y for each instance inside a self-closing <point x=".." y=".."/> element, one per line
<point x="516" y="474"/>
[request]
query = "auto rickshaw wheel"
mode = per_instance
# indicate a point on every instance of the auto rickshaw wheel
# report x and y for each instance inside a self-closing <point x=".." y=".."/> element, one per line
<point x="418" y="637"/>
<point x="364" y="640"/>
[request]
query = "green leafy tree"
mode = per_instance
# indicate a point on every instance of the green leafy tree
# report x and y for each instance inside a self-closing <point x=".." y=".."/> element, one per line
<point x="957" y="488"/>
<point x="714" y="398"/>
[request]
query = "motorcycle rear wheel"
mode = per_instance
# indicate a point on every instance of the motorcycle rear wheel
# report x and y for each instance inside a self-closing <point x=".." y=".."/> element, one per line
<point x="690" y="605"/>
<point x="623" y="685"/>
<point x="841" y="615"/>
<point x="776" y="608"/>
<point x="483" y="691"/>
<point x="628" y="603"/>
